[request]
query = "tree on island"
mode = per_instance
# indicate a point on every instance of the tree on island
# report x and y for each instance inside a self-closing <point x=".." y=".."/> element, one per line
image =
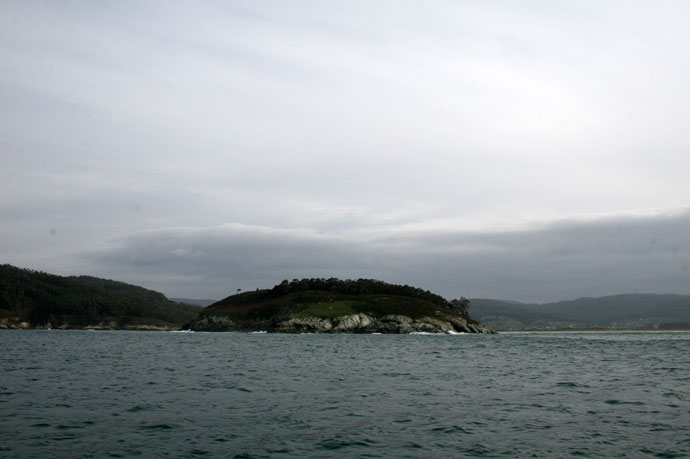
<point x="461" y="305"/>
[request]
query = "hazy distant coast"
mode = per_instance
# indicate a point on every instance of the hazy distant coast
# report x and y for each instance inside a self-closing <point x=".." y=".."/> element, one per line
<point x="642" y="311"/>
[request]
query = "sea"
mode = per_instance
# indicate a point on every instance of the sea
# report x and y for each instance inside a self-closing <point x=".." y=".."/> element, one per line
<point x="84" y="394"/>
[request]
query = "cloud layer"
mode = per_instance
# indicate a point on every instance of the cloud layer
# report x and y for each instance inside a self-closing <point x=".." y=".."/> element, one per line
<point x="557" y="261"/>
<point x="243" y="142"/>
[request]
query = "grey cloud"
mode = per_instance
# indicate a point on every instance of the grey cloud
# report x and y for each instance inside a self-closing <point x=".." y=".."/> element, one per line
<point x="559" y="261"/>
<point x="357" y="121"/>
<point x="236" y="254"/>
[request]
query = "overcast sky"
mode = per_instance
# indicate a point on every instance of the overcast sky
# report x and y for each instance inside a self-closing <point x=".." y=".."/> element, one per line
<point x="533" y="150"/>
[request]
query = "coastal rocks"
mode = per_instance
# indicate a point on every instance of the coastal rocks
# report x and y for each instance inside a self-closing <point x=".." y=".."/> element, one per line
<point x="211" y="323"/>
<point x="432" y="325"/>
<point x="104" y="325"/>
<point x="13" y="323"/>
<point x="392" y="324"/>
<point x="363" y="323"/>
<point x="305" y="325"/>
<point x="480" y="328"/>
<point x="351" y="323"/>
<point x="459" y="325"/>
<point x="427" y="324"/>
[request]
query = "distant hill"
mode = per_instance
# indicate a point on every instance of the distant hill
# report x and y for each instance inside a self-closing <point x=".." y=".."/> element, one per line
<point x="198" y="302"/>
<point x="627" y="311"/>
<point x="338" y="306"/>
<point x="36" y="299"/>
<point x="505" y="315"/>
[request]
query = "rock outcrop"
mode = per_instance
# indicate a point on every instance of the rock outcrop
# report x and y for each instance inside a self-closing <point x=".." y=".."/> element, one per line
<point x="211" y="323"/>
<point x="351" y="323"/>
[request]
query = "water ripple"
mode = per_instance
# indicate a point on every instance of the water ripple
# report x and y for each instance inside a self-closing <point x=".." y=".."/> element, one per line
<point x="120" y="394"/>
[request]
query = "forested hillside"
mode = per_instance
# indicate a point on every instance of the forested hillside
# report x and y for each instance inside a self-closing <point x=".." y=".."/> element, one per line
<point x="37" y="299"/>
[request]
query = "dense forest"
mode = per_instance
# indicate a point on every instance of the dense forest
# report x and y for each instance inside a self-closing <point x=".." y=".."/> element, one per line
<point x="357" y="287"/>
<point x="368" y="287"/>
<point x="39" y="298"/>
<point x="347" y="287"/>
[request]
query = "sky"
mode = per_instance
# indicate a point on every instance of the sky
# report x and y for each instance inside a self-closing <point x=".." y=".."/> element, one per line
<point x="532" y="151"/>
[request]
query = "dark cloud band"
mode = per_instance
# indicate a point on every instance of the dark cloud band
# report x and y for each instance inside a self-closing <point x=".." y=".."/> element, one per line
<point x="562" y="260"/>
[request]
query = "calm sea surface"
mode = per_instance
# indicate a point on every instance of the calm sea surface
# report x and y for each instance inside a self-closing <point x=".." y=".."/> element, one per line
<point x="158" y="394"/>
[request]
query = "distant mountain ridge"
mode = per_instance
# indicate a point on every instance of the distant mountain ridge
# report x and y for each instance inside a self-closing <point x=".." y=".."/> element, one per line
<point x="624" y="311"/>
<point x="31" y="299"/>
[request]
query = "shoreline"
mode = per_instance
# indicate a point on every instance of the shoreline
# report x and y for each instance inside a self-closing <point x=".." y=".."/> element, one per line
<point x="598" y="330"/>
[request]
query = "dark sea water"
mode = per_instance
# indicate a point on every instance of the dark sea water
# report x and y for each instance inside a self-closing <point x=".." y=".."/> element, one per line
<point x="158" y="394"/>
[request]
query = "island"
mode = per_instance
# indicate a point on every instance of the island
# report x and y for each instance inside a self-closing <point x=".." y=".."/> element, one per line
<point x="338" y="306"/>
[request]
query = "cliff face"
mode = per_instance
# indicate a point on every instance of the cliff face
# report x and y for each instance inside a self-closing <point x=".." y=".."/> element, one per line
<point x="351" y="323"/>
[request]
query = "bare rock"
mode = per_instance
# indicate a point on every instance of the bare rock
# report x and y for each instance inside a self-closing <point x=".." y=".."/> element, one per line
<point x="352" y="322"/>
<point x="305" y="325"/>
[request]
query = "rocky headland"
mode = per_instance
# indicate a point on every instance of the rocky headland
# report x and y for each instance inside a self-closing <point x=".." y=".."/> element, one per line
<point x="335" y="306"/>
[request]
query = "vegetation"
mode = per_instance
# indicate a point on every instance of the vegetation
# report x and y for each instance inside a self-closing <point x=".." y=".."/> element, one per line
<point x="357" y="287"/>
<point x="327" y="298"/>
<point x="461" y="305"/>
<point x="38" y="299"/>
<point x="329" y="309"/>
